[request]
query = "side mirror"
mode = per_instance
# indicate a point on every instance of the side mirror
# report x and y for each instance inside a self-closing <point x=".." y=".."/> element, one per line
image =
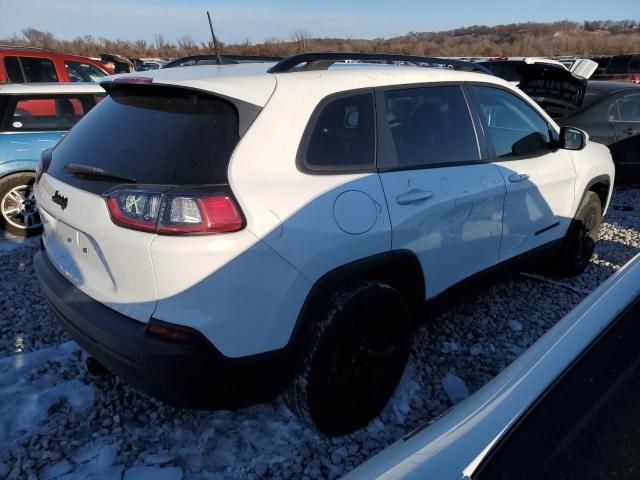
<point x="572" y="138"/>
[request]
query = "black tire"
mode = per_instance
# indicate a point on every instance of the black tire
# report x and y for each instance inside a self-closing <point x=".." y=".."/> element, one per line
<point x="17" y="223"/>
<point x="580" y="241"/>
<point x="353" y="359"/>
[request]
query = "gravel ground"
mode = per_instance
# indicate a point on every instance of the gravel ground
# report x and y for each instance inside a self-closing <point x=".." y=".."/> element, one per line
<point x="61" y="422"/>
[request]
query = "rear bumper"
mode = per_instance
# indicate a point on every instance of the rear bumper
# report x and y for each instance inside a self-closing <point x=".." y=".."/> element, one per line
<point x="194" y="375"/>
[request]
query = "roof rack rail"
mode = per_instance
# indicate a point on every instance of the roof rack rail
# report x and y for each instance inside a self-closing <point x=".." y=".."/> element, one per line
<point x="26" y="47"/>
<point x="324" y="60"/>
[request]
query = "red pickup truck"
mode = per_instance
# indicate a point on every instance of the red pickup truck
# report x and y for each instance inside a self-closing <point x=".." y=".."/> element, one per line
<point x="33" y="65"/>
<point x="621" y="68"/>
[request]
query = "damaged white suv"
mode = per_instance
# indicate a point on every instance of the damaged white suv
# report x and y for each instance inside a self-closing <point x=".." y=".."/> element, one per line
<point x="220" y="235"/>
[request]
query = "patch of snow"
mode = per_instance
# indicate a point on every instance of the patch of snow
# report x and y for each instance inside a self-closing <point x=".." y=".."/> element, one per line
<point x="475" y="349"/>
<point x="399" y="404"/>
<point x="515" y="325"/>
<point x="140" y="472"/>
<point x="24" y="401"/>
<point x="449" y="347"/>
<point x="57" y="470"/>
<point x="159" y="458"/>
<point x="455" y="388"/>
<point x="9" y="243"/>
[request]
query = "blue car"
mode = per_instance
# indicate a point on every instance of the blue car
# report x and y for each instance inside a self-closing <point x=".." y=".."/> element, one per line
<point x="33" y="118"/>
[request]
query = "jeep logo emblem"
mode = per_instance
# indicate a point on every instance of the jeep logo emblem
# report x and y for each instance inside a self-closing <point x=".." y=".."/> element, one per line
<point x="60" y="200"/>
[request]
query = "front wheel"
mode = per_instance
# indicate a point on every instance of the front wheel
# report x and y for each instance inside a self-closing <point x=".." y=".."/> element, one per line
<point x="580" y="241"/>
<point x="18" y="213"/>
<point x="354" y="358"/>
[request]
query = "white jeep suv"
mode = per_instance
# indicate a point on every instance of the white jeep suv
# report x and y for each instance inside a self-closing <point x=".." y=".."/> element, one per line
<point x="220" y="235"/>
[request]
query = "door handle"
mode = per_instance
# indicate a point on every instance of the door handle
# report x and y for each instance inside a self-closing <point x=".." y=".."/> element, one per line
<point x="515" y="178"/>
<point x="413" y="196"/>
<point x="628" y="131"/>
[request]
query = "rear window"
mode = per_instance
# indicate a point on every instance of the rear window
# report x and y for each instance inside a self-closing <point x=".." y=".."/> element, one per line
<point x="43" y="112"/>
<point x="155" y="135"/>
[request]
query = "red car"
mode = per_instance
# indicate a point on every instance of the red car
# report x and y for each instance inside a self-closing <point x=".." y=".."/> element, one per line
<point x="620" y="68"/>
<point x="31" y="65"/>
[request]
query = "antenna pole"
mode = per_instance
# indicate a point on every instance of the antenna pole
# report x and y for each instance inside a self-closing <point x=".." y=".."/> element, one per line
<point x="215" y="41"/>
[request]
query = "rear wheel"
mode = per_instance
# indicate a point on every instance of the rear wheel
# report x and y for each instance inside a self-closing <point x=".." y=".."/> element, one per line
<point x="354" y="358"/>
<point x="18" y="213"/>
<point x="581" y="239"/>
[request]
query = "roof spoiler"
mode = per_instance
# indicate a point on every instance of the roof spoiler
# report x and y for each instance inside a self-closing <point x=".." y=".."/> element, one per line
<point x="324" y="60"/>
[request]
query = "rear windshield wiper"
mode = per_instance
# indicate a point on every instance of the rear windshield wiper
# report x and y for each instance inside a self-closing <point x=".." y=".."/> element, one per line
<point x="89" y="171"/>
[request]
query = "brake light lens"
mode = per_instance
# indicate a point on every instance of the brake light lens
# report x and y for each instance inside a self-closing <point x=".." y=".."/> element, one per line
<point x="174" y="213"/>
<point x="43" y="164"/>
<point x="635" y="78"/>
<point x="133" y="80"/>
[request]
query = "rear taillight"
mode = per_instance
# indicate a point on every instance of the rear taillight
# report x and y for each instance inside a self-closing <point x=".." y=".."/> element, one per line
<point x="635" y="78"/>
<point x="43" y="164"/>
<point x="175" y="213"/>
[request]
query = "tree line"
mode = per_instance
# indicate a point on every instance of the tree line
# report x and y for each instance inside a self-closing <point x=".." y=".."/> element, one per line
<point x="520" y="39"/>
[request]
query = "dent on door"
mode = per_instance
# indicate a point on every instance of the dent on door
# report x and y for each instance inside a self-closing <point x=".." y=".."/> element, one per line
<point x="455" y="223"/>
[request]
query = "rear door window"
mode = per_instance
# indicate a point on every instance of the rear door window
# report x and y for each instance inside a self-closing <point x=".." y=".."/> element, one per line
<point x="14" y="72"/>
<point x="38" y="70"/>
<point x="156" y="136"/>
<point x="83" y="72"/>
<point x="342" y="135"/>
<point x="47" y="113"/>
<point x="428" y="127"/>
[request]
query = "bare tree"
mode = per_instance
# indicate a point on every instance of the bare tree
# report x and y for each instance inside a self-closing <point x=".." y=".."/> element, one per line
<point x="301" y="39"/>
<point x="38" y="38"/>
<point x="186" y="45"/>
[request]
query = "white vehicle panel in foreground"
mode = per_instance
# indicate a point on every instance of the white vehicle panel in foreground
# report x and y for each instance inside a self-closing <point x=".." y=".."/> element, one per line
<point x="50" y="88"/>
<point x="455" y="445"/>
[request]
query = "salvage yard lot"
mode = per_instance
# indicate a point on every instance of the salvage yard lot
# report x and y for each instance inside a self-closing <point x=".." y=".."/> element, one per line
<point x="58" y="421"/>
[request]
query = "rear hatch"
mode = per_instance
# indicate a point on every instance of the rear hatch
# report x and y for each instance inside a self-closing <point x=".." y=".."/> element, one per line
<point x="558" y="90"/>
<point x="104" y="186"/>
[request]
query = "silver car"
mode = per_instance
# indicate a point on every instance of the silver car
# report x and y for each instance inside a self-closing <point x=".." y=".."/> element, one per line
<point x="565" y="409"/>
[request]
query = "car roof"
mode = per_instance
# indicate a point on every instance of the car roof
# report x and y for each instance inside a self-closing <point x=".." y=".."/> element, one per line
<point x="252" y="83"/>
<point x="41" y="52"/>
<point x="456" y="444"/>
<point x="49" y="88"/>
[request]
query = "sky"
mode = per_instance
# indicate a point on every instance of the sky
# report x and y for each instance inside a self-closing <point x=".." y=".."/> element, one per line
<point x="238" y="20"/>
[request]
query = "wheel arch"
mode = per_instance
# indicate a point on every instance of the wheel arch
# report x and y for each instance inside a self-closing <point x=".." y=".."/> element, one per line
<point x="9" y="173"/>
<point x="601" y="186"/>
<point x="400" y="269"/>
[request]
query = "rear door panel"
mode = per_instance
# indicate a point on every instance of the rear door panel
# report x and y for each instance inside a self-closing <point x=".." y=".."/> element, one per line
<point x="445" y="204"/>
<point x="455" y="232"/>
